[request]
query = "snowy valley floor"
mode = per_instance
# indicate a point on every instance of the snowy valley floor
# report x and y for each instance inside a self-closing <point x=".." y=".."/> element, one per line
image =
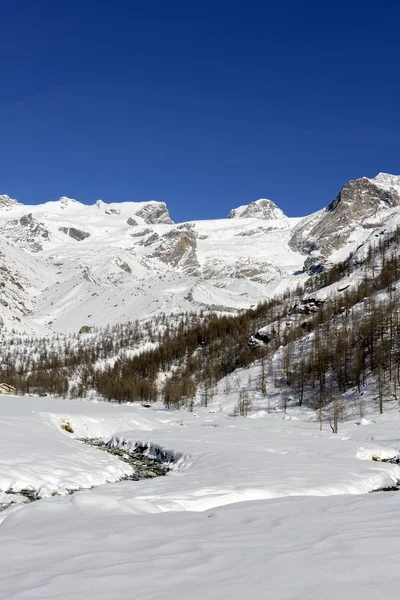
<point x="269" y="507"/>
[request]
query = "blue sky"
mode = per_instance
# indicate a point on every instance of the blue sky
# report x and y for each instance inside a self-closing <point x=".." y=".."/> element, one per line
<point x="202" y="105"/>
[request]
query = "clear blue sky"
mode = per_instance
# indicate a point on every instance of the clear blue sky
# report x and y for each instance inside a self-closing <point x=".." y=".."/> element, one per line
<point x="203" y="105"/>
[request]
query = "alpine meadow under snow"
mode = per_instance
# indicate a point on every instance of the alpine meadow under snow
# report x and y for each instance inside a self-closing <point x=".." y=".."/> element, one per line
<point x="201" y="410"/>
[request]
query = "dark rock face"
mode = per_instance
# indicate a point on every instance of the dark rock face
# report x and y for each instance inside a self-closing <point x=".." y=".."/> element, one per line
<point x="361" y="198"/>
<point x="140" y="233"/>
<point x="151" y="240"/>
<point x="76" y="234"/>
<point x="154" y="212"/>
<point x="27" y="232"/>
<point x="131" y="222"/>
<point x="308" y="306"/>
<point x="124" y="266"/>
<point x="26" y="220"/>
<point x="35" y="227"/>
<point x="85" y="329"/>
<point x="260" y="338"/>
<point x="315" y="263"/>
<point x="360" y="203"/>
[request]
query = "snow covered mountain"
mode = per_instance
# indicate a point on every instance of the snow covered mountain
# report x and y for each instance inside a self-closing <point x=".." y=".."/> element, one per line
<point x="80" y="265"/>
<point x="65" y="264"/>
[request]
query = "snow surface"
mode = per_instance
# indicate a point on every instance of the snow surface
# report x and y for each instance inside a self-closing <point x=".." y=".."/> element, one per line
<point x="266" y="507"/>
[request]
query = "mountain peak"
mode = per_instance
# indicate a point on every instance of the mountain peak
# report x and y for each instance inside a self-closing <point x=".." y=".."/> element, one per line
<point x="154" y="212"/>
<point x="65" y="202"/>
<point x="259" y="209"/>
<point x="7" y="203"/>
<point x="387" y="181"/>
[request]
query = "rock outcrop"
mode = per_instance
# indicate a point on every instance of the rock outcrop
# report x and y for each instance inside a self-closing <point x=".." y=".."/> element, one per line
<point x="260" y="209"/>
<point x="253" y="269"/>
<point x="308" y="306"/>
<point x="261" y="338"/>
<point x="7" y="203"/>
<point x="75" y="234"/>
<point x="360" y="203"/>
<point x="154" y="212"/>
<point x="27" y="232"/>
<point x="315" y="263"/>
<point x="178" y="249"/>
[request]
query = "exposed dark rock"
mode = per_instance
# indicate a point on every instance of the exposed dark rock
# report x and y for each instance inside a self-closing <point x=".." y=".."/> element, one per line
<point x="76" y="234"/>
<point x="178" y="249"/>
<point x="131" y="222"/>
<point x="187" y="226"/>
<point x="85" y="329"/>
<point x="308" y="306"/>
<point x="260" y="338"/>
<point x="26" y="220"/>
<point x="151" y="240"/>
<point x="124" y="266"/>
<point x="154" y="212"/>
<point x="315" y="263"/>
<point x="140" y="233"/>
<point x="360" y="203"/>
<point x="393" y="460"/>
<point x="27" y="232"/>
<point x="36" y="228"/>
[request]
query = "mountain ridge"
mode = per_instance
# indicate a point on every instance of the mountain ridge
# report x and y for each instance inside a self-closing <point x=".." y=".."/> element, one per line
<point x="108" y="263"/>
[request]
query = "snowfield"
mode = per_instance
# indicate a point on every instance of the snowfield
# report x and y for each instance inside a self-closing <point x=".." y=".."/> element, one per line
<point x="267" y="506"/>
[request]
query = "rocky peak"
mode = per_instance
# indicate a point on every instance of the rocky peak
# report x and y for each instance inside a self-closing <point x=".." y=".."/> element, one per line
<point x="360" y="203"/>
<point x="363" y="198"/>
<point x="154" y="212"/>
<point x="260" y="209"/>
<point x="7" y="203"/>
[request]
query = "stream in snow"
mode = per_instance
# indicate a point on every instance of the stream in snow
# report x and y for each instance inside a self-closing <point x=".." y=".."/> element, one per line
<point x="143" y="467"/>
<point x="146" y="462"/>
